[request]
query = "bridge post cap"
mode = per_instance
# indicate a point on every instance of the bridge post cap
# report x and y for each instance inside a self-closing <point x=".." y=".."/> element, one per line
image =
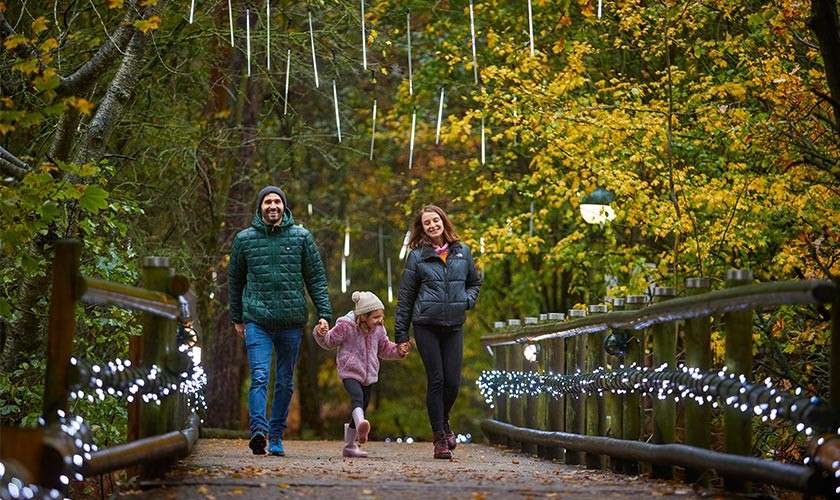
<point x="664" y="291"/>
<point x="636" y="299"/>
<point x="556" y="316"/>
<point x="618" y="301"/>
<point x="739" y="275"/>
<point x="156" y="261"/>
<point x="597" y="308"/>
<point x="531" y="320"/>
<point x="514" y="322"/>
<point x="577" y="313"/>
<point x="499" y="324"/>
<point x="698" y="283"/>
<point x="543" y="317"/>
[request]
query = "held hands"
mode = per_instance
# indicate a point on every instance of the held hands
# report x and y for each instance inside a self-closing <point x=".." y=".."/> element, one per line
<point x="322" y="327"/>
<point x="403" y="348"/>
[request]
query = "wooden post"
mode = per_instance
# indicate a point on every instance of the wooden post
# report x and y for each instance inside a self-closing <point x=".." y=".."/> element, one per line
<point x="575" y="406"/>
<point x="503" y="400"/>
<point x="738" y="346"/>
<point x="556" y="407"/>
<point x="516" y="406"/>
<point x="500" y="403"/>
<point x="664" y="411"/>
<point x="614" y="401"/>
<point x="632" y="403"/>
<point x="533" y="417"/>
<point x="698" y="354"/>
<point x="61" y="326"/>
<point x="595" y="405"/>
<point x="158" y="346"/>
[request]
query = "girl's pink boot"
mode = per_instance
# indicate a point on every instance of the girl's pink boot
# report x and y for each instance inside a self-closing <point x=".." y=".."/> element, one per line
<point x="351" y="447"/>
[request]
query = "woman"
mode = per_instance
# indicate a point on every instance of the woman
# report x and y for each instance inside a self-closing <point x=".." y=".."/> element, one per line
<point x="438" y="285"/>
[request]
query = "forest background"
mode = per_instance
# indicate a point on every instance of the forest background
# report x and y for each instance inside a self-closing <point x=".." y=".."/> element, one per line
<point x="714" y="122"/>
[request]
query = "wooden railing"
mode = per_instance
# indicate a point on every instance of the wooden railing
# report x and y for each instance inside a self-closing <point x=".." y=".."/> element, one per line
<point x="603" y="388"/>
<point x="161" y="381"/>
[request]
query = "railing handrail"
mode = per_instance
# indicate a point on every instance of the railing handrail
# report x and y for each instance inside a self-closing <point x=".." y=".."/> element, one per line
<point x="98" y="291"/>
<point x="715" y="302"/>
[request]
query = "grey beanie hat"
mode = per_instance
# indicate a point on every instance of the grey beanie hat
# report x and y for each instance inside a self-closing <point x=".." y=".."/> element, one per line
<point x="366" y="302"/>
<point x="268" y="190"/>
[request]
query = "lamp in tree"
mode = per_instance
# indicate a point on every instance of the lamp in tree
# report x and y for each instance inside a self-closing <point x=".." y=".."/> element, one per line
<point x="595" y="207"/>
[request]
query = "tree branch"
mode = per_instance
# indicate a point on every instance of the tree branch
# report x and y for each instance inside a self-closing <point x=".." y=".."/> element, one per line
<point x="11" y="166"/>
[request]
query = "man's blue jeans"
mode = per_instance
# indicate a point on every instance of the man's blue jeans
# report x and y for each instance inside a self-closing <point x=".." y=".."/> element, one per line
<point x="259" y="343"/>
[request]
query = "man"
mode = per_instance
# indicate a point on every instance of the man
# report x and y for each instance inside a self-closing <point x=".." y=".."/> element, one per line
<point x="270" y="263"/>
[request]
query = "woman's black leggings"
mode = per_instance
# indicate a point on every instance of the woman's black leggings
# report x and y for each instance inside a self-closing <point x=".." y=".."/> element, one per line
<point x="442" y="351"/>
<point x="359" y="396"/>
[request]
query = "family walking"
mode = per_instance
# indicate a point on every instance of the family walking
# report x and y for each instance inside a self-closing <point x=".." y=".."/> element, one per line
<point x="274" y="260"/>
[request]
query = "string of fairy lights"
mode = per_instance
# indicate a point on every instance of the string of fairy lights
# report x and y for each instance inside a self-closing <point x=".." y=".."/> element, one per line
<point x="809" y="415"/>
<point x="116" y="379"/>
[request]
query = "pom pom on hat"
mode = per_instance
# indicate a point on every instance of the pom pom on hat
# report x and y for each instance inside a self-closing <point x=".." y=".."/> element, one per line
<point x="366" y="302"/>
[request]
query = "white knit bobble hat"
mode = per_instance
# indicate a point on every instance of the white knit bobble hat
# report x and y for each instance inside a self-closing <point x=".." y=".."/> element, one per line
<point x="366" y="302"/>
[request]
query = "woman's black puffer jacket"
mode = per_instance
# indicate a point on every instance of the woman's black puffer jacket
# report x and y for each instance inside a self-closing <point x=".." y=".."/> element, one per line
<point x="434" y="292"/>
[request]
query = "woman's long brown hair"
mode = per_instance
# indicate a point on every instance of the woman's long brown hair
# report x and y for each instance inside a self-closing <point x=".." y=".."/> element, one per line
<point x="418" y="235"/>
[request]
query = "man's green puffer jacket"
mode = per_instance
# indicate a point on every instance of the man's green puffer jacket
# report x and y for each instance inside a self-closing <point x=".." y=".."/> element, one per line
<point x="269" y="267"/>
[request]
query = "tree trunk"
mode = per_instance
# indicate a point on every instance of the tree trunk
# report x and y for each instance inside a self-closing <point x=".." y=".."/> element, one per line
<point x="825" y="25"/>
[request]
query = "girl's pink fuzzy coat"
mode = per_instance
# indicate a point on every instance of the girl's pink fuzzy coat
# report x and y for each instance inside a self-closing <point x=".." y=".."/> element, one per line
<point x="358" y="352"/>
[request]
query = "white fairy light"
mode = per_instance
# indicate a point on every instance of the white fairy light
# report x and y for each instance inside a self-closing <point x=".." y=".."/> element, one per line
<point x="372" y="128"/>
<point x="230" y="22"/>
<point x="531" y="28"/>
<point x="286" y="92"/>
<point x="248" y="39"/>
<point x="364" y="37"/>
<point x="312" y="46"/>
<point x="481" y="244"/>
<point x="337" y="120"/>
<point x="268" y="35"/>
<point x="411" y="140"/>
<point x="439" y="117"/>
<point x="192" y="11"/>
<point x="472" y="35"/>
<point x="408" y="36"/>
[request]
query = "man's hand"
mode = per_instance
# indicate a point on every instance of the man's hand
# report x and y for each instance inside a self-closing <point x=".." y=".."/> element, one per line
<point x="322" y="328"/>
<point x="404" y="348"/>
<point x="240" y="329"/>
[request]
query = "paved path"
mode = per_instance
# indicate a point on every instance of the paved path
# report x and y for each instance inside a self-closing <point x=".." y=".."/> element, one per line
<point x="222" y="468"/>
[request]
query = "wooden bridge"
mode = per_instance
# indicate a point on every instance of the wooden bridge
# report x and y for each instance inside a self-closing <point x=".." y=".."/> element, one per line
<point x="584" y="406"/>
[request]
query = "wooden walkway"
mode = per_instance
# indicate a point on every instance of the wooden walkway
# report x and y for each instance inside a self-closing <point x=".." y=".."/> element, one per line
<point x="223" y="468"/>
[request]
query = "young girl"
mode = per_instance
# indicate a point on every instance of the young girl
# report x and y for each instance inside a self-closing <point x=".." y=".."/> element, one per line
<point x="361" y="340"/>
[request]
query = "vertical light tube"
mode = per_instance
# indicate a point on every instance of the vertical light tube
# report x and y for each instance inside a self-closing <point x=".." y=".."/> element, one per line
<point x="192" y="11"/>
<point x="472" y="35"/>
<point x="268" y="34"/>
<point x="600" y="8"/>
<point x="439" y="117"/>
<point x="372" y="129"/>
<point x="482" y="140"/>
<point x="248" y="38"/>
<point x="531" y="27"/>
<point x="531" y="221"/>
<point x="344" y="274"/>
<point x="411" y="140"/>
<point x="404" y="248"/>
<point x="230" y="22"/>
<point x="364" y="38"/>
<point x="286" y="92"/>
<point x="347" y="240"/>
<point x="408" y="36"/>
<point x="312" y="45"/>
<point x="309" y="208"/>
<point x="337" y="120"/>
<point x="390" y="287"/>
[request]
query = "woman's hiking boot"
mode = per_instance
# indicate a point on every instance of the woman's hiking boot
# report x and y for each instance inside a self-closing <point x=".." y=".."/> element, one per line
<point x="257" y="443"/>
<point x="451" y="441"/>
<point x="441" y="447"/>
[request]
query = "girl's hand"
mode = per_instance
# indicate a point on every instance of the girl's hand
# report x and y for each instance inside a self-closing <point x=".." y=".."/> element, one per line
<point x="321" y="330"/>
<point x="404" y="348"/>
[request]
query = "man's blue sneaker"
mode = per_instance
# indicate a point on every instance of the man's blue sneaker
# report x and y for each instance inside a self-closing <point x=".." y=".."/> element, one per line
<point x="275" y="447"/>
<point x="257" y="443"/>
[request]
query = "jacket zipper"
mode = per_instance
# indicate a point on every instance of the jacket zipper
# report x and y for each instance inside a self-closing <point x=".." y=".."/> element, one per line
<point x="445" y="289"/>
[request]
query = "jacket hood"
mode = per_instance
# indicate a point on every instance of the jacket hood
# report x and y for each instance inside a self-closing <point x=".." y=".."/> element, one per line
<point x="350" y="317"/>
<point x="258" y="223"/>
